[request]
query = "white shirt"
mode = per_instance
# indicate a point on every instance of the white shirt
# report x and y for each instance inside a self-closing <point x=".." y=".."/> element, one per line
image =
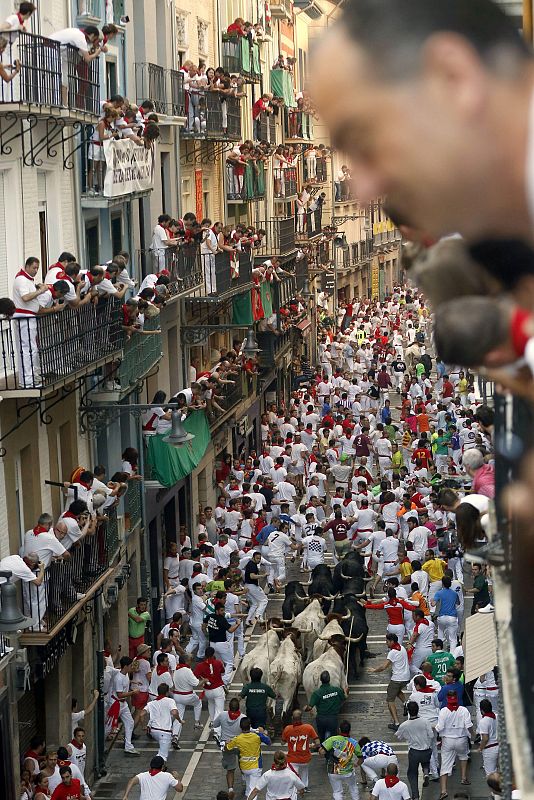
<point x="400" y="666"/>
<point x="286" y="491"/>
<point x="279" y="543"/>
<point x="389" y="547"/>
<point x="428" y="704"/>
<point x="280" y="783"/>
<point x="398" y="792"/>
<point x="44" y="544"/>
<point x="160" y="716"/>
<point x="74" y="532"/>
<point x="197" y="610"/>
<point x="22" y="285"/>
<point x="18" y="568"/>
<point x="139" y="678"/>
<point x="185" y="680"/>
<point x="155" y="787"/>
<point x="73" y="36"/>
<point x="488" y="727"/>
<point x="419" y="538"/>
<point x="157" y="680"/>
<point x="159" y="236"/>
<point x="454" y="724"/>
<point x="55" y="779"/>
<point x="314" y="547"/>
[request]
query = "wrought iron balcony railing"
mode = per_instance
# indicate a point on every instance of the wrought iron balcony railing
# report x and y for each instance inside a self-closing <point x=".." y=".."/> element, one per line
<point x="320" y="175"/>
<point x="177" y="93"/>
<point x="250" y="186"/>
<point x="209" y="116"/>
<point x="51" y="75"/>
<point x="239" y="57"/>
<point x="279" y="237"/>
<point x="133" y="505"/>
<point x="141" y="352"/>
<point x="182" y="262"/>
<point x="38" y="352"/>
<point x="285" y="182"/>
<point x="67" y="582"/>
<point x="298" y="124"/>
<point x="232" y="271"/>
<point x="265" y="128"/>
<point x="309" y="224"/>
<point x="150" y="84"/>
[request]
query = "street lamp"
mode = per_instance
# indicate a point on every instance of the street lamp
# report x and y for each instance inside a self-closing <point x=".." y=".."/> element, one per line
<point x="12" y="619"/>
<point x="306" y="293"/>
<point x="250" y="348"/>
<point x="178" y="435"/>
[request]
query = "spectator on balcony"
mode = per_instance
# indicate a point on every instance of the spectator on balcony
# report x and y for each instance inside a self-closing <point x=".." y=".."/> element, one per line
<point x="310" y="159"/>
<point x="193" y="86"/>
<point x="280" y="62"/>
<point x="302" y="209"/>
<point x="161" y="240"/>
<point x="237" y="27"/>
<point x="74" y="524"/>
<point x="109" y="33"/>
<point x="280" y="162"/>
<point x="7" y="71"/>
<point x="23" y="569"/>
<point x="80" y="488"/>
<point x="261" y="106"/>
<point x="17" y="22"/>
<point x="208" y="249"/>
<point x="66" y="269"/>
<point x="104" y="131"/>
<point x="100" y="281"/>
<point x="150" y="417"/>
<point x="341" y="178"/>
<point x="87" y="43"/>
<point x="130" y="464"/>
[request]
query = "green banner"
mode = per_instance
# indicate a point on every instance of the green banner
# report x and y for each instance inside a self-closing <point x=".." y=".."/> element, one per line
<point x="256" y="64"/>
<point x="242" y="309"/>
<point x="249" y="179"/>
<point x="282" y="86"/>
<point x="260" y="179"/>
<point x="266" y="298"/>
<point x="169" y="464"/>
<point x="245" y="55"/>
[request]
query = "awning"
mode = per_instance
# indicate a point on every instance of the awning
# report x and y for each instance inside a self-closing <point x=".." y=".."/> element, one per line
<point x="480" y="645"/>
<point x="170" y="464"/>
<point x="304" y="325"/>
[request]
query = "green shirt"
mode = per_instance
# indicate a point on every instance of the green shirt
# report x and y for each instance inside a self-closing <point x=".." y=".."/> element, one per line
<point x="481" y="597"/>
<point x="342" y="751"/>
<point x="256" y="694"/>
<point x="442" y="445"/>
<point x="441" y="661"/>
<point x="328" y="700"/>
<point x="419" y="369"/>
<point x="137" y="629"/>
<point x="215" y="586"/>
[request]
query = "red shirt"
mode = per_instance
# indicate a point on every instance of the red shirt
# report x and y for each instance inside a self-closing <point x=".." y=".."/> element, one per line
<point x="72" y="792"/>
<point x="424" y="455"/>
<point x="235" y="30"/>
<point x="211" y="670"/>
<point x="448" y="389"/>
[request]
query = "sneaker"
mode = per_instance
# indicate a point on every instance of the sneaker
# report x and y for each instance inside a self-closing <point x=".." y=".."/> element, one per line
<point x="393" y="726"/>
<point x="198" y="725"/>
<point x="132" y="752"/>
<point x="174" y="743"/>
<point x="426" y="781"/>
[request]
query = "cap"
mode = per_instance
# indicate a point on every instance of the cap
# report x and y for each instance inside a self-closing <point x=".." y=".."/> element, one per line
<point x="142" y="648"/>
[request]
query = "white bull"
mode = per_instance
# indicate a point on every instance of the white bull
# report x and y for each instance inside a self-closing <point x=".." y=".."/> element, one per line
<point x="332" y="662"/>
<point x="332" y="628"/>
<point x="286" y="672"/>
<point x="310" y="623"/>
<point x="261" y="656"/>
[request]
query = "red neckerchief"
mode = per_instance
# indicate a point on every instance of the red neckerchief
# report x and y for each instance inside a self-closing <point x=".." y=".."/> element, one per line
<point x="426" y="690"/>
<point x="233" y="715"/>
<point x="153" y="772"/>
<point x="161" y="696"/>
<point x="489" y="714"/>
<point x="517" y="330"/>
<point x="181" y="666"/>
<point x="161" y="669"/>
<point x="452" y="703"/>
<point x="90" y="278"/>
<point x="107" y="653"/>
<point x="86" y="485"/>
<point x="39" y="529"/>
<point x="64" y="763"/>
<point x="346" y="502"/>
<point x="391" y="780"/>
<point x="22" y="273"/>
<point x="32" y="754"/>
<point x="421" y="622"/>
<point x="428" y="676"/>
<point x="396" y="645"/>
<point x="69" y="515"/>
<point x="174" y="625"/>
<point x="75" y="744"/>
<point x="21" y="21"/>
<point x="107" y="275"/>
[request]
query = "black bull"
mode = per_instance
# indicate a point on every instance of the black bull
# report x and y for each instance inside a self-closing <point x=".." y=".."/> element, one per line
<point x="354" y="624"/>
<point x="351" y="566"/>
<point x="295" y="600"/>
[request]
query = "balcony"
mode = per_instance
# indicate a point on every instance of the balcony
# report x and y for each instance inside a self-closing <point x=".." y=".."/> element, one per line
<point x="283" y="9"/>
<point x="150" y="84"/>
<point x="52" y="77"/>
<point x="250" y="186"/>
<point x="298" y="125"/>
<point x="383" y="236"/>
<point x="321" y="171"/>
<point x="141" y="353"/>
<point x="67" y="585"/>
<point x="279" y="239"/>
<point x="177" y="93"/>
<point x="208" y="118"/>
<point x="238" y="57"/>
<point x="309" y="225"/>
<point x="230" y="273"/>
<point x="133" y="505"/>
<point x="38" y="354"/>
<point x="126" y="173"/>
<point x="265" y="128"/>
<point x="183" y="263"/>
<point x="285" y="183"/>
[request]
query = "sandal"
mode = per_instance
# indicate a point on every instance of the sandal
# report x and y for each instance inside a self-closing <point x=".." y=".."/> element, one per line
<point x="465" y="782"/>
<point x="443" y="795"/>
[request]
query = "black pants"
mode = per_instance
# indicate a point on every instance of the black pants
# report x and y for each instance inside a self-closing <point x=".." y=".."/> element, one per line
<point x="326" y="726"/>
<point x="417" y="758"/>
<point x="258" y="718"/>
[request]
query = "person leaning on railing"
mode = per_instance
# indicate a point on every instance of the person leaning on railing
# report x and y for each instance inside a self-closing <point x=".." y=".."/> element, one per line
<point x="7" y="71"/>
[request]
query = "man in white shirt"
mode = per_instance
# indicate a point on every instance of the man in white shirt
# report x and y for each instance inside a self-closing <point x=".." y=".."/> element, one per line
<point x="418" y="536"/>
<point x="119" y="691"/>
<point x="287" y="493"/>
<point x="425" y="694"/>
<point x="279" y="543"/>
<point x="455" y="728"/>
<point x="390" y="787"/>
<point x="383" y="450"/>
<point x="313" y="547"/>
<point x="489" y="742"/>
<point x="185" y="682"/>
<point x="198" y="606"/>
<point x="155" y="783"/>
<point x="162" y="712"/>
<point x="397" y="662"/>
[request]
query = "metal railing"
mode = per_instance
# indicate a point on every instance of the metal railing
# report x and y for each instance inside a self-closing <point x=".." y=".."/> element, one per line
<point x="232" y="271"/>
<point x="141" y="352"/>
<point x="279" y="237"/>
<point x="298" y="124"/>
<point x="133" y="505"/>
<point x="67" y="581"/>
<point x="39" y="79"/>
<point x="150" y="84"/>
<point x="238" y="56"/>
<point x="265" y="128"/>
<point x="210" y="118"/>
<point x="247" y="186"/>
<point x="83" y="81"/>
<point x="285" y="182"/>
<point x="309" y="224"/>
<point x="319" y="175"/>
<point x="89" y="8"/>
<point x="229" y="395"/>
<point x="177" y="93"/>
<point x="5" y="648"/>
<point x="37" y="352"/>
<point x="182" y="262"/>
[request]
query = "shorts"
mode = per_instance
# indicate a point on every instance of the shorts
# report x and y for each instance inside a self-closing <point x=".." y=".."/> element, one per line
<point x="229" y="759"/>
<point x="394" y="689"/>
<point x="451" y="749"/>
<point x="140" y="699"/>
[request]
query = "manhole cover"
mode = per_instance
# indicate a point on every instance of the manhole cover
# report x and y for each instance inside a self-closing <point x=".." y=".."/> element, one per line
<point x="356" y="707"/>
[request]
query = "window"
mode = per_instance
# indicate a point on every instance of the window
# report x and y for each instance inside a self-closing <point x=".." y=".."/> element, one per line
<point x="92" y="243"/>
<point x="111" y="78"/>
<point x="165" y="182"/>
<point x="43" y="239"/>
<point x="116" y="234"/>
<point x="186" y="194"/>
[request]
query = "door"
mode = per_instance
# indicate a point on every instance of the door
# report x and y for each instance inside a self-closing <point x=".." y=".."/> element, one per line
<point x="7" y="785"/>
<point x="116" y="234"/>
<point x="43" y="240"/>
<point x="91" y="243"/>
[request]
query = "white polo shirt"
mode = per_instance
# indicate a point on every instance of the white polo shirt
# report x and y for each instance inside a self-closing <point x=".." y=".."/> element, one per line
<point x="184" y="680"/>
<point x="160" y="713"/>
<point x="398" y="792"/>
<point x="18" y="568"/>
<point x="400" y="666"/>
<point x="44" y="544"/>
<point x="22" y="285"/>
<point x="155" y="787"/>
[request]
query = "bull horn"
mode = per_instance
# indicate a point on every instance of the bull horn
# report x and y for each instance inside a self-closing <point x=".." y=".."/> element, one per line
<point x="330" y="596"/>
<point x="275" y="628"/>
<point x="348" y="615"/>
<point x="288" y="621"/>
<point x="305" y="583"/>
<point x="345" y="577"/>
<point x="352" y="640"/>
<point x="362" y="594"/>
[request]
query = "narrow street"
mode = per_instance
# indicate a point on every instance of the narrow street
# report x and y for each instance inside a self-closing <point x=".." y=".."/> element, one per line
<point x="198" y="761"/>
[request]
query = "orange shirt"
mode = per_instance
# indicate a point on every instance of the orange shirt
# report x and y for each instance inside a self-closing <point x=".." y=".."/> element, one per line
<point x="417" y="597"/>
<point x="423" y="423"/>
<point x="298" y="738"/>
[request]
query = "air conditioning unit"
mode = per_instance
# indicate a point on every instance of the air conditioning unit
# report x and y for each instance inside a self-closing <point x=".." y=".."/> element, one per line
<point x="112" y="594"/>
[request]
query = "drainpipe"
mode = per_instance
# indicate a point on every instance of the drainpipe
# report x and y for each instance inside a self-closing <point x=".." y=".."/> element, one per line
<point x="177" y="128"/>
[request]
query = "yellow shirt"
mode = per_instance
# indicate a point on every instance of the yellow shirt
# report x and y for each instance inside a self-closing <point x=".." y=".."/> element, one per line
<point x="462" y="385"/>
<point x="405" y="568"/>
<point x="248" y="745"/>
<point x="435" y="569"/>
<point x="397" y="460"/>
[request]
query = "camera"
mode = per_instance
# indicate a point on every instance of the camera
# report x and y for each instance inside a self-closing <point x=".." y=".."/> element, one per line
<point x="124" y="20"/>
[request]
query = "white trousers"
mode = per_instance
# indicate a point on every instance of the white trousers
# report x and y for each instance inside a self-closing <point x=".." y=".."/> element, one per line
<point x="197" y="640"/>
<point x="302" y="771"/>
<point x="451" y="749"/>
<point x="490" y="759"/>
<point x="419" y="655"/>
<point x="398" y="629"/>
<point x="25" y="327"/>
<point x="251" y="778"/>
<point x="374" y="765"/>
<point x="434" y="587"/>
<point x="125" y="715"/>
<point x="215" y="698"/>
<point x="163" y="738"/>
<point x="225" y="652"/>
<point x="258" y="602"/>
<point x="448" y="631"/>
<point x="337" y="782"/>
<point x="182" y="701"/>
<point x="279" y="568"/>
